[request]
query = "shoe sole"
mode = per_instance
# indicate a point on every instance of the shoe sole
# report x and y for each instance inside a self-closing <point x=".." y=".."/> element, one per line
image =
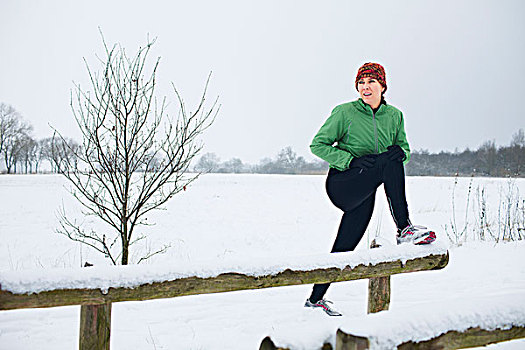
<point x="313" y="307"/>
<point x="427" y="239"/>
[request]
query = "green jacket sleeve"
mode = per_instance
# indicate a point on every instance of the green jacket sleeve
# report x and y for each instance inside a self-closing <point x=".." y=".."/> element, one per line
<point x="332" y="131"/>
<point x="401" y="140"/>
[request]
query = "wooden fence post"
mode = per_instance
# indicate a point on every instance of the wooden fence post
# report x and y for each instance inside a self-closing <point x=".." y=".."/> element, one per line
<point x="95" y="325"/>
<point x="344" y="341"/>
<point x="378" y="290"/>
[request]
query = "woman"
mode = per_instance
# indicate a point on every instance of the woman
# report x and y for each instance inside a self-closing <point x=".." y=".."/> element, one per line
<point x="364" y="142"/>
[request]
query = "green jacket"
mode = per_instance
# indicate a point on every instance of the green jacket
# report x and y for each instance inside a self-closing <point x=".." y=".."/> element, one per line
<point x="352" y="130"/>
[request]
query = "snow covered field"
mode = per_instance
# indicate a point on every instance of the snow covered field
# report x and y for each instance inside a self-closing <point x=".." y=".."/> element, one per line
<point x="245" y="217"/>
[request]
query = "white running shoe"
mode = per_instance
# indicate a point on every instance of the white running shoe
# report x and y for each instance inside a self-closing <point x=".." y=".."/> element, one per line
<point x="416" y="234"/>
<point x="323" y="304"/>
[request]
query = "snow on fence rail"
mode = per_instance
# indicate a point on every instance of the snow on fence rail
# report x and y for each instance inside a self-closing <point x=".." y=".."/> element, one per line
<point x="467" y="325"/>
<point x="464" y="326"/>
<point x="452" y="338"/>
<point x="95" y="288"/>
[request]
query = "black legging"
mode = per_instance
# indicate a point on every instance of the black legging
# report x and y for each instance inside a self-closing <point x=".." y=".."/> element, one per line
<point x="353" y="191"/>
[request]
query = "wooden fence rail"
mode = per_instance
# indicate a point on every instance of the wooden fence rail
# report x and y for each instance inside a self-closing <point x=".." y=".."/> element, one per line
<point x="454" y="339"/>
<point x="95" y="321"/>
<point x="226" y="282"/>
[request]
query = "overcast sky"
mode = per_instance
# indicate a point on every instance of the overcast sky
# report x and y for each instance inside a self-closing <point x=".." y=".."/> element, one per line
<point x="455" y="68"/>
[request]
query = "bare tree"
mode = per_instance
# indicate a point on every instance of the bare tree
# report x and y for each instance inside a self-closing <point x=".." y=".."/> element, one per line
<point x="488" y="156"/>
<point x="8" y="120"/>
<point x="46" y="152"/>
<point x="289" y="162"/>
<point x="517" y="150"/>
<point x="208" y="163"/>
<point x="28" y="153"/>
<point x="64" y="153"/>
<point x="41" y="151"/>
<point x="233" y="165"/>
<point x="13" y="132"/>
<point x="133" y="157"/>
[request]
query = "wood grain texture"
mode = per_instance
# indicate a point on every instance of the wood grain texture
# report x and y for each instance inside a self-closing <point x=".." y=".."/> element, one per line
<point x="378" y="294"/>
<point x="344" y="341"/>
<point x="95" y="327"/>
<point x="378" y="290"/>
<point x="226" y="282"/>
<point x="472" y="337"/>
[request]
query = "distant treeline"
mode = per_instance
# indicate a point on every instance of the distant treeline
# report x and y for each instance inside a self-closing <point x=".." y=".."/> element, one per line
<point x="487" y="160"/>
<point x="21" y="153"/>
<point x="286" y="162"/>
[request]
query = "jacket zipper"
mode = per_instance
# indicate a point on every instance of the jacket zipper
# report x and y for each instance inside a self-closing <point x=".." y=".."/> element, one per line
<point x="375" y="131"/>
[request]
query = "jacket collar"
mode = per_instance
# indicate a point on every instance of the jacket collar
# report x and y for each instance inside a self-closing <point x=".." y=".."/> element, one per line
<point x="367" y="107"/>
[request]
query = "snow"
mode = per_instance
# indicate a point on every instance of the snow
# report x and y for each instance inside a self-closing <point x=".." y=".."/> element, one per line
<point x="104" y="277"/>
<point x="483" y="286"/>
<point x="256" y="224"/>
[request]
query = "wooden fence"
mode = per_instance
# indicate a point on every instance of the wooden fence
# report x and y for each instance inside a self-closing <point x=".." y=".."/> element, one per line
<point x="453" y="339"/>
<point x="379" y="299"/>
<point x="95" y="317"/>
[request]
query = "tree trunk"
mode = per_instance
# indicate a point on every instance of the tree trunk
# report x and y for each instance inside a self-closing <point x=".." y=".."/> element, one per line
<point x="125" y="249"/>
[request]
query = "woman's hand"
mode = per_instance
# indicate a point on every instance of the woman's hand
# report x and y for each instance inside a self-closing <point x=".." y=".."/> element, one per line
<point x="364" y="162"/>
<point x="395" y="153"/>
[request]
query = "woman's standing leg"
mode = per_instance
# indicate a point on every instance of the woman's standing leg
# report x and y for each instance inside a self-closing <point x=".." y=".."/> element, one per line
<point x="351" y="229"/>
<point x="352" y="191"/>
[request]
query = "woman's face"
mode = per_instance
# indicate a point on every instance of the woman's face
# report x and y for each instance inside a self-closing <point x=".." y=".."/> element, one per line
<point x="370" y="91"/>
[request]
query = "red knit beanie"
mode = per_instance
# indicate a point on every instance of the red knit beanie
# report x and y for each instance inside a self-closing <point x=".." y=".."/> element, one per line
<point x="373" y="70"/>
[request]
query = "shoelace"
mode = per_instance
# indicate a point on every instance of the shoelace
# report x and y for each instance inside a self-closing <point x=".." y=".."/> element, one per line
<point x="413" y="227"/>
<point x="325" y="303"/>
